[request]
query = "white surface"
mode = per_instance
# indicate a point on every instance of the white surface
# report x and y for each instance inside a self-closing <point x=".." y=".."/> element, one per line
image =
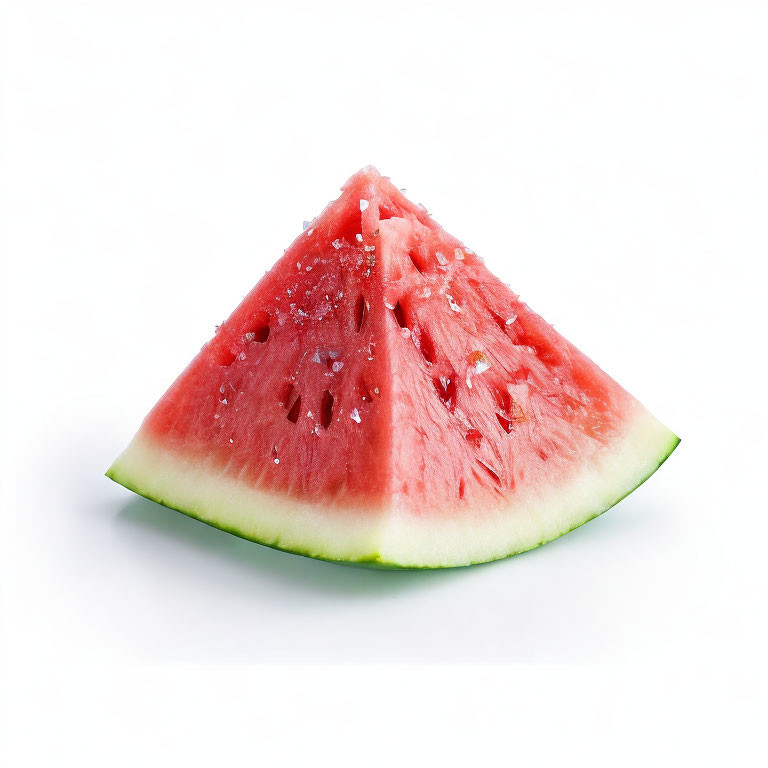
<point x="609" y="160"/>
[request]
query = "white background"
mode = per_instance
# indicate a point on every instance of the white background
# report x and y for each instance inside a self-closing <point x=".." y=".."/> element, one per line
<point x="609" y="161"/>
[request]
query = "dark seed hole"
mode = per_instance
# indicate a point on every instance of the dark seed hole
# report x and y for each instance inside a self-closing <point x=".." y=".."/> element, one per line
<point x="415" y="262"/>
<point x="259" y="328"/>
<point x="331" y="359"/>
<point x="503" y="399"/>
<point x="385" y="213"/>
<point x="293" y="414"/>
<point x="260" y="334"/>
<point x="418" y="260"/>
<point x="226" y="356"/>
<point x="426" y="347"/>
<point x="326" y="410"/>
<point x="359" y="313"/>
<point x="363" y="391"/>
<point x="400" y="315"/>
<point x="474" y="436"/>
<point x="499" y="320"/>
<point x="446" y="391"/>
<point x="505" y="423"/>
<point x="286" y="394"/>
<point x="491" y="472"/>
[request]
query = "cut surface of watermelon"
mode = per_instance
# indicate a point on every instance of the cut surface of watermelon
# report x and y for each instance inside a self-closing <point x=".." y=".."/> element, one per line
<point x="381" y="398"/>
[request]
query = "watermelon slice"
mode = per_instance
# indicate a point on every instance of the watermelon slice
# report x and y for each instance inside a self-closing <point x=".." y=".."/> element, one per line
<point x="381" y="398"/>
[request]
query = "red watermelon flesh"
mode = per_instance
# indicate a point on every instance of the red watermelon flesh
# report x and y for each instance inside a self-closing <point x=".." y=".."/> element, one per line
<point x="380" y="397"/>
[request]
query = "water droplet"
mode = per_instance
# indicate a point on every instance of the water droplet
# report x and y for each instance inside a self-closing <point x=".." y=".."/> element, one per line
<point x="363" y="205"/>
<point x="441" y="258"/>
<point x="336" y="243"/>
<point x="355" y="416"/>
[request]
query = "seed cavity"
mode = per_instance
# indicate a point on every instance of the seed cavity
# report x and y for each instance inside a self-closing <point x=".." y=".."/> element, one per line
<point x="400" y="315"/>
<point x="386" y="213"/>
<point x="293" y="413"/>
<point x="503" y="398"/>
<point x="326" y="410"/>
<point x="225" y="356"/>
<point x="510" y="411"/>
<point x="474" y="436"/>
<point x="446" y="391"/>
<point x="286" y="394"/>
<point x="360" y="312"/>
<point x="424" y="344"/>
<point x="363" y="391"/>
<point x="490" y="471"/>
<point x="418" y="260"/>
<point x="259" y="328"/>
<point x="499" y="320"/>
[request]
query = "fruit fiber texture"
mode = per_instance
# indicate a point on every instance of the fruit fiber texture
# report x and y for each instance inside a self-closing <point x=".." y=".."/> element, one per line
<point x="381" y="398"/>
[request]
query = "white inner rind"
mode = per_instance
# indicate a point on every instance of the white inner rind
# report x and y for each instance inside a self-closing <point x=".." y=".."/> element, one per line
<point x="393" y="536"/>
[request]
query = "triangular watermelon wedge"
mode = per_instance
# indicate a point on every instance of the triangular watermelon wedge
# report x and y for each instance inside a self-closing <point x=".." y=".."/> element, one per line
<point x="381" y="398"/>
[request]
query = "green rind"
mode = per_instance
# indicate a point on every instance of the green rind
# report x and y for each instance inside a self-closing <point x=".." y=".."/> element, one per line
<point x="374" y="561"/>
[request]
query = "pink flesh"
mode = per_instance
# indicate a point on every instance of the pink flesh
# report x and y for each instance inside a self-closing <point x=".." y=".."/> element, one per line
<point x="392" y="332"/>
